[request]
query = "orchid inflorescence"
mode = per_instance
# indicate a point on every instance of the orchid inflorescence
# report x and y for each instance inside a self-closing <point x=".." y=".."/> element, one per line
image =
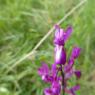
<point x="62" y="69"/>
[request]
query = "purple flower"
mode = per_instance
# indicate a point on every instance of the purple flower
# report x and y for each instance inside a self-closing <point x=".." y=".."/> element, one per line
<point x="69" y="65"/>
<point x="76" y="87"/>
<point x="61" y="36"/>
<point x="78" y="73"/>
<point x="62" y="69"/>
<point x="68" y="33"/>
<point x="60" y="55"/>
<point x="75" y="52"/>
<point x="72" y="72"/>
<point x="43" y="71"/>
<point x="73" y="89"/>
<point x="47" y="91"/>
<point x="54" y="70"/>
<point x="69" y="74"/>
<point x="56" y="88"/>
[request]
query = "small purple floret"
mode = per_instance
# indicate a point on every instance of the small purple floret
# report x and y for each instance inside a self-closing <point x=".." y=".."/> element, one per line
<point x="78" y="74"/>
<point x="75" y="52"/>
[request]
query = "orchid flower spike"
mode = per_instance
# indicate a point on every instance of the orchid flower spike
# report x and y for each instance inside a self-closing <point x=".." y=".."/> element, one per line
<point x="62" y="69"/>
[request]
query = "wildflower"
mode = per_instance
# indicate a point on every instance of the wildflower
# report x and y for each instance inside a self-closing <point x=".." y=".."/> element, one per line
<point x="62" y="69"/>
<point x="75" y="52"/>
<point x="47" y="91"/>
<point x="44" y="73"/>
<point x="78" y="73"/>
<point x="62" y="36"/>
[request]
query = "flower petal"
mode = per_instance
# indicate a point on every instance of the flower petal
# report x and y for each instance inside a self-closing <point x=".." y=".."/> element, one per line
<point x="47" y="91"/>
<point x="44" y="69"/>
<point x="47" y="78"/>
<point x="56" y="87"/>
<point x="75" y="52"/>
<point x="78" y="73"/>
<point x="68" y="32"/>
<point x="59" y="36"/>
<point x="73" y="89"/>
<point x="69" y="66"/>
<point x="76" y="87"/>
<point x="69" y="74"/>
<point x="60" y="55"/>
<point x="54" y="70"/>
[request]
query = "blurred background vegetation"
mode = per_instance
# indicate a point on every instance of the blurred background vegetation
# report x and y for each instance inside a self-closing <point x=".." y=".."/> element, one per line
<point x="23" y="23"/>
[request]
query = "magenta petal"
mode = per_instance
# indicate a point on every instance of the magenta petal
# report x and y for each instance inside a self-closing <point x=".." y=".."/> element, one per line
<point x="72" y="92"/>
<point x="44" y="69"/>
<point x="69" y="74"/>
<point x="57" y="31"/>
<point x="47" y="91"/>
<point x="47" y="78"/>
<point x="54" y="70"/>
<point x="69" y="66"/>
<point x="75" y="52"/>
<point x="56" y="88"/>
<point x="75" y="88"/>
<point x="54" y="67"/>
<point x="68" y="33"/>
<point x="78" y="74"/>
<point x="71" y="61"/>
<point x="59" y="36"/>
<point x="60" y="55"/>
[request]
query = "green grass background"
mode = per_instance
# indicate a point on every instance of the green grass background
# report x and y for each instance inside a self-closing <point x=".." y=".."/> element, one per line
<point x="23" y="23"/>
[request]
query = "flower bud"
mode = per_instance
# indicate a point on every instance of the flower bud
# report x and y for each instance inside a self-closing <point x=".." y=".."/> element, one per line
<point x="60" y="55"/>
